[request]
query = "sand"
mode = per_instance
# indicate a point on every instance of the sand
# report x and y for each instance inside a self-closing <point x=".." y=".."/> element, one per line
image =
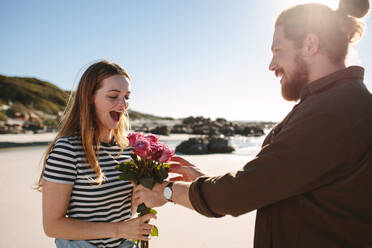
<point x="20" y="207"/>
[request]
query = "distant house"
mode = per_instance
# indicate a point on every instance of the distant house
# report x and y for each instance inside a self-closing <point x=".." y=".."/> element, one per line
<point x="4" y="107"/>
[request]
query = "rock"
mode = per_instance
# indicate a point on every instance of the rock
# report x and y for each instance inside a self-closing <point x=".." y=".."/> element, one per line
<point x="205" y="126"/>
<point x="220" y="145"/>
<point x="222" y="121"/>
<point x="200" y="129"/>
<point x="228" y="130"/>
<point x="205" y="146"/>
<point x="142" y="128"/>
<point x="178" y="128"/>
<point x="248" y="130"/>
<point x="161" y="130"/>
<point x="193" y="146"/>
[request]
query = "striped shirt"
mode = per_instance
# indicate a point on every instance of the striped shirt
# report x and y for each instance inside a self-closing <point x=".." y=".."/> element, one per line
<point x="108" y="202"/>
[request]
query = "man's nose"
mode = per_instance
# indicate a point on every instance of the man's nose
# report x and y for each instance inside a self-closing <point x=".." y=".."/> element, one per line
<point x="272" y="66"/>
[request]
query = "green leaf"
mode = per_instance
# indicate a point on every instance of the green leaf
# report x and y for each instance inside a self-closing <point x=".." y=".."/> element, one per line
<point x="126" y="166"/>
<point x="147" y="182"/>
<point x="164" y="172"/>
<point x="153" y="211"/>
<point x="134" y="157"/>
<point x="155" y="231"/>
<point x="129" y="176"/>
<point x="142" y="209"/>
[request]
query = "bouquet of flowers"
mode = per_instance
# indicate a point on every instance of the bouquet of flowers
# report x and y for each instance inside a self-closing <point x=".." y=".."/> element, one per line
<point x="147" y="168"/>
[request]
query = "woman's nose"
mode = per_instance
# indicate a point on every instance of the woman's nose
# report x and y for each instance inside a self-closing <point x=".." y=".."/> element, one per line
<point x="124" y="102"/>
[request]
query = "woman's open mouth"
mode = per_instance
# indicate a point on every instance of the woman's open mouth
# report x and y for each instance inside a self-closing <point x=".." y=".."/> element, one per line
<point x="115" y="115"/>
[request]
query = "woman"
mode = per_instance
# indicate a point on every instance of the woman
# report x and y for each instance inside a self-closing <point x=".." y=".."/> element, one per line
<point x="84" y="202"/>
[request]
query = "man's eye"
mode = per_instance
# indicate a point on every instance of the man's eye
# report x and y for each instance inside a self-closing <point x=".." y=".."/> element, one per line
<point x="113" y="97"/>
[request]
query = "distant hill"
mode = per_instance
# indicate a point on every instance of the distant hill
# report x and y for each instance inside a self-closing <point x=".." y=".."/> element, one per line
<point x="134" y="115"/>
<point x="32" y="94"/>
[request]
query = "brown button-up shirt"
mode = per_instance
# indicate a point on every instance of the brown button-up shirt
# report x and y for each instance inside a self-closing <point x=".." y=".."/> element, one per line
<point x="312" y="180"/>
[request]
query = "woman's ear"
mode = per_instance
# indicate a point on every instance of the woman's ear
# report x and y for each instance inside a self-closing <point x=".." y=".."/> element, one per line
<point x="311" y="45"/>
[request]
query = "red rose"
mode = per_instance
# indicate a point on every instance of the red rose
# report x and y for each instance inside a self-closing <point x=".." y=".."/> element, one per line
<point x="152" y="138"/>
<point x="132" y="137"/>
<point x="141" y="147"/>
<point x="167" y="153"/>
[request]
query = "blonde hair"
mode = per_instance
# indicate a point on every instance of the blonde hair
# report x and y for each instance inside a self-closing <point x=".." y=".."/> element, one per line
<point x="335" y="29"/>
<point x="79" y="117"/>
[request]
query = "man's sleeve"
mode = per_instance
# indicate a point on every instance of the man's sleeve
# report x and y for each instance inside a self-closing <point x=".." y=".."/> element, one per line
<point x="305" y="155"/>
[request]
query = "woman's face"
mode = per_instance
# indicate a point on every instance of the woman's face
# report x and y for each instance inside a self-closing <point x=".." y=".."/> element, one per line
<point x="110" y="102"/>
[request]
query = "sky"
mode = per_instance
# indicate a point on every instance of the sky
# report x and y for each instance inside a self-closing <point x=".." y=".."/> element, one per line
<point x="185" y="58"/>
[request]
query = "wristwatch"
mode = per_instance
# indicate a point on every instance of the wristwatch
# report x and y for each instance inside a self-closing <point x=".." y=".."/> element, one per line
<point x="168" y="192"/>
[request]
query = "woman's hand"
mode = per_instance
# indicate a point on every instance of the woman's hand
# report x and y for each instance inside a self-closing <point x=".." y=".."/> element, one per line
<point x="136" y="228"/>
<point x="188" y="171"/>
<point x="151" y="198"/>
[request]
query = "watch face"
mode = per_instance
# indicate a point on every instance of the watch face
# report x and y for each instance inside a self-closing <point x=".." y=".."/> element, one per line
<point x="167" y="193"/>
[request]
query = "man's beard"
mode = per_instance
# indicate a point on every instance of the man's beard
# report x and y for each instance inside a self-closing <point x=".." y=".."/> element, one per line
<point x="291" y="90"/>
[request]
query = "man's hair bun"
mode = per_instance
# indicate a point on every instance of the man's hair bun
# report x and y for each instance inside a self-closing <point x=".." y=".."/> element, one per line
<point x="356" y="8"/>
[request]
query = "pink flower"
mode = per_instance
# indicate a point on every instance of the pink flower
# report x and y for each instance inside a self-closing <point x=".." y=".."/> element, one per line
<point x="152" y="138"/>
<point x="149" y="147"/>
<point x="156" y="151"/>
<point x="142" y="147"/>
<point x="167" y="153"/>
<point x="132" y="137"/>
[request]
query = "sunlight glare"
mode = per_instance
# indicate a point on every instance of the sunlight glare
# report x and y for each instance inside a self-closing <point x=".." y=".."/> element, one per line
<point x="333" y="4"/>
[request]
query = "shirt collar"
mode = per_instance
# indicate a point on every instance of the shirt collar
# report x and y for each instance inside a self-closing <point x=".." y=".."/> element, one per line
<point x="352" y="72"/>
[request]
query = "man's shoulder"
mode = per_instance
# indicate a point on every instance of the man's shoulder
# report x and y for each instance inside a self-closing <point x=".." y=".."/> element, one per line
<point x="349" y="103"/>
<point x="346" y="94"/>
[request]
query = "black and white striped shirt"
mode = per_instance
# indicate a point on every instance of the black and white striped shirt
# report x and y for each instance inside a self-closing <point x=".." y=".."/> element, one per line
<point x="108" y="202"/>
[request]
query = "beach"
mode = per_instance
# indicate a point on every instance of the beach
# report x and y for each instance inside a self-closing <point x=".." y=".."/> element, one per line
<point x="178" y="226"/>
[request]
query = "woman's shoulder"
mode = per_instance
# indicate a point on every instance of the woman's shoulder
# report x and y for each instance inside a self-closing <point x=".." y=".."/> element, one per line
<point x="72" y="142"/>
<point x="116" y="147"/>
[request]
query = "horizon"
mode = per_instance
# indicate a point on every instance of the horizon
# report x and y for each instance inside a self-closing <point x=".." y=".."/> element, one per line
<point x="196" y="58"/>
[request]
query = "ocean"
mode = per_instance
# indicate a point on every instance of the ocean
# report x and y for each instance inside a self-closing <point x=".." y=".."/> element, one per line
<point x="244" y="146"/>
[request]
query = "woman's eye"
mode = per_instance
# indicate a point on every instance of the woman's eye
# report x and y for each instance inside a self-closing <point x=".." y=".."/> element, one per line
<point x="113" y="97"/>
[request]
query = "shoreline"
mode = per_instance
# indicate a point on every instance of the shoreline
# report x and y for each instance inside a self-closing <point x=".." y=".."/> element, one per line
<point x="5" y="145"/>
<point x="26" y="140"/>
<point x="44" y="139"/>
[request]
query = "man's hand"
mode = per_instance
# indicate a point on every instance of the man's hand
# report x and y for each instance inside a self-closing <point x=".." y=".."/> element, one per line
<point x="151" y="198"/>
<point x="188" y="171"/>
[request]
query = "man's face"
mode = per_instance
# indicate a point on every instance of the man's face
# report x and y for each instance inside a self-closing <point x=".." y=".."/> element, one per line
<point x="287" y="63"/>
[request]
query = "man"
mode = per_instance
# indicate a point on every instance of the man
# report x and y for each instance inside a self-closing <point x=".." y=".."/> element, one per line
<point x="311" y="183"/>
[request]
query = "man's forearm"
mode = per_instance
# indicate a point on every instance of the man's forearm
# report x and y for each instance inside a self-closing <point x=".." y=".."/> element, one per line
<point x="181" y="194"/>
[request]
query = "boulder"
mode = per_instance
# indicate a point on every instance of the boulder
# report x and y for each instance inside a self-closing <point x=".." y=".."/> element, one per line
<point x="181" y="129"/>
<point x="222" y="121"/>
<point x="205" y="146"/>
<point x="193" y="146"/>
<point x="161" y="130"/>
<point x="228" y="130"/>
<point x="220" y="145"/>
